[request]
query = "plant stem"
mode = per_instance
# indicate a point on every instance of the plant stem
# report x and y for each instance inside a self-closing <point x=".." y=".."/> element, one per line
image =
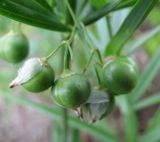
<point x="76" y="135"/>
<point x="68" y="17"/>
<point x="88" y="63"/>
<point x="99" y="55"/>
<point x="72" y="35"/>
<point x="78" y="24"/>
<point x="65" y="124"/>
<point x="66" y="66"/>
<point x="72" y="13"/>
<point x="82" y="7"/>
<point x="95" y="50"/>
<point x="54" y="51"/>
<point x="67" y="58"/>
<point x="16" y="26"/>
<point x="68" y="51"/>
<point x="98" y="76"/>
<point x="65" y="42"/>
<point x="108" y="19"/>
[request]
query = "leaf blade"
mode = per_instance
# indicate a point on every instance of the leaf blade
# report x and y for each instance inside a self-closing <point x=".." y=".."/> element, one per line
<point x="30" y="15"/>
<point x="131" y="23"/>
<point x="137" y="43"/>
<point x="146" y="78"/>
<point x="129" y="118"/>
<point x="44" y="4"/>
<point x="57" y="115"/>
<point x="96" y="15"/>
<point x="151" y="134"/>
<point x="155" y="99"/>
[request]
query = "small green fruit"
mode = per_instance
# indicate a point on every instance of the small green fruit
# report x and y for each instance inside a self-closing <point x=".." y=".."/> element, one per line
<point x="35" y="75"/>
<point x="41" y="81"/>
<point x="14" y="47"/>
<point x="120" y="75"/>
<point x="71" y="91"/>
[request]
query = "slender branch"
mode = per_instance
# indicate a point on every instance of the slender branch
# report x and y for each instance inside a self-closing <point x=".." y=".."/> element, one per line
<point x="97" y="75"/>
<point x="65" y="125"/>
<point x="83" y="5"/>
<point x="16" y="26"/>
<point x="68" y="51"/>
<point x="81" y="26"/>
<point x="99" y="55"/>
<point x="110" y="33"/>
<point x="88" y="63"/>
<point x="67" y="58"/>
<point x="72" y="35"/>
<point x="54" y="51"/>
<point x="72" y="13"/>
<point x="91" y="57"/>
<point x="68" y="16"/>
<point x="65" y="42"/>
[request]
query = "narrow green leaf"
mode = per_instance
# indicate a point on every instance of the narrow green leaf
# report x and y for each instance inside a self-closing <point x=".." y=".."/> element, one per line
<point x="129" y="118"/>
<point x="52" y="3"/>
<point x="99" y="3"/>
<point x="56" y="132"/>
<point x="93" y="16"/>
<point x="131" y="23"/>
<point x="68" y="16"/>
<point x="125" y="4"/>
<point x="60" y="8"/>
<point x="133" y="46"/>
<point x="146" y="78"/>
<point x="103" y="124"/>
<point x="76" y="135"/>
<point x="155" y="120"/>
<point x="81" y="5"/>
<point x="31" y="13"/>
<point x="44" y="4"/>
<point x="152" y="100"/>
<point x="151" y="134"/>
<point x="96" y="15"/>
<point x="33" y="4"/>
<point x="73" y="4"/>
<point x="57" y="115"/>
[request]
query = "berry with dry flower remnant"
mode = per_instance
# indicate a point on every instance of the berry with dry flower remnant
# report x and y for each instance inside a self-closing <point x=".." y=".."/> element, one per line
<point x="36" y="75"/>
<point x="99" y="104"/>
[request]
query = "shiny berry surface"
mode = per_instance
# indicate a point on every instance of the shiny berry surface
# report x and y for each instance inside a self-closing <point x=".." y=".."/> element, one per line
<point x="121" y="75"/>
<point x="71" y="91"/>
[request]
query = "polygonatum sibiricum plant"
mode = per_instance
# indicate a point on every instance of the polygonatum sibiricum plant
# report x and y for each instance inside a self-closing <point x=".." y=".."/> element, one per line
<point x="116" y="74"/>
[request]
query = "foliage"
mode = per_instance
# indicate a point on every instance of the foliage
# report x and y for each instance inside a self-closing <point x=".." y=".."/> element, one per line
<point x="63" y="17"/>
